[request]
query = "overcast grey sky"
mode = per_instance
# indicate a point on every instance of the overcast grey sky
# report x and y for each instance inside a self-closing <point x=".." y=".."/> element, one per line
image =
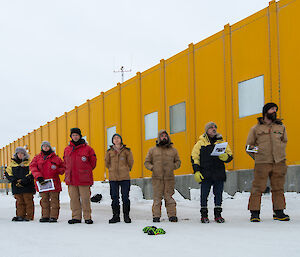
<point x="57" y="54"/>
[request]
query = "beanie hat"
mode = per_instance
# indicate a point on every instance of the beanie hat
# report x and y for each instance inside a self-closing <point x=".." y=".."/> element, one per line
<point x="20" y="150"/>
<point x="267" y="107"/>
<point x="209" y="125"/>
<point x="112" y="139"/>
<point x="46" y="143"/>
<point x="76" y="131"/>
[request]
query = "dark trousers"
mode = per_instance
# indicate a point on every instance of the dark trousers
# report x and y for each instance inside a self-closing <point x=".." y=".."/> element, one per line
<point x="115" y="192"/>
<point x="218" y="187"/>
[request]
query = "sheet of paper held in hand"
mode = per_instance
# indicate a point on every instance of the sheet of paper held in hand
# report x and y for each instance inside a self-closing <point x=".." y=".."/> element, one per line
<point x="252" y="149"/>
<point x="219" y="149"/>
<point x="48" y="186"/>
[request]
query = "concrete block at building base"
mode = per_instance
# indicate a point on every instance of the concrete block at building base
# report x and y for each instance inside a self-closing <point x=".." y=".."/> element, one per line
<point x="292" y="181"/>
<point x="146" y="185"/>
<point x="237" y="181"/>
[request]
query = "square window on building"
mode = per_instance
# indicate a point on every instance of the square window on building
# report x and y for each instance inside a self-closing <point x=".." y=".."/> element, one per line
<point x="151" y="125"/>
<point x="177" y="118"/>
<point x="251" y="96"/>
<point x="110" y="132"/>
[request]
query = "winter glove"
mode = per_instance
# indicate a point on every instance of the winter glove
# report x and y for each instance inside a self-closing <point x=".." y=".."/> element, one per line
<point x="96" y="198"/>
<point x="146" y="229"/>
<point x="25" y="181"/>
<point x="19" y="185"/>
<point x="158" y="231"/>
<point x="223" y="157"/>
<point x="41" y="180"/>
<point x="198" y="177"/>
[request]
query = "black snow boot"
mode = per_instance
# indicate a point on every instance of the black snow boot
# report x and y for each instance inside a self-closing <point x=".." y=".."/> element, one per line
<point x="116" y="214"/>
<point x="255" y="216"/>
<point x="173" y="219"/>
<point x="44" y="220"/>
<point x="279" y="215"/>
<point x="126" y="210"/>
<point x="17" y="218"/>
<point x="204" y="215"/>
<point x="218" y="217"/>
<point x="156" y="219"/>
<point x="74" y="221"/>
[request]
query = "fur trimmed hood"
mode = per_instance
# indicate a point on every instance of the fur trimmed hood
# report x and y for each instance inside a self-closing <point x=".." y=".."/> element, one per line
<point x="21" y="150"/>
<point x="158" y="138"/>
<point x="277" y="121"/>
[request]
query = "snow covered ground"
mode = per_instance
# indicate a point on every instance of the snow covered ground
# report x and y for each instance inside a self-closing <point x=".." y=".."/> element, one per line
<point x="236" y="237"/>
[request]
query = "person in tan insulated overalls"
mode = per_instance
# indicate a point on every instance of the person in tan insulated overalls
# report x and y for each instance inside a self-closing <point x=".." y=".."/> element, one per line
<point x="162" y="160"/>
<point x="270" y="137"/>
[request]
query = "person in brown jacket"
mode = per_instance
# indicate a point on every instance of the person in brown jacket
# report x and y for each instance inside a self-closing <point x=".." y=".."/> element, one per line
<point x="270" y="137"/>
<point x="162" y="160"/>
<point x="119" y="161"/>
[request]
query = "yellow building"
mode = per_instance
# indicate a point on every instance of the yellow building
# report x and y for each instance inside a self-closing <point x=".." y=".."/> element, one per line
<point x="225" y="78"/>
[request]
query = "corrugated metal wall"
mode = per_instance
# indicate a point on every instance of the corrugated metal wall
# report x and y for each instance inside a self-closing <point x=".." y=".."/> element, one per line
<point x="205" y="76"/>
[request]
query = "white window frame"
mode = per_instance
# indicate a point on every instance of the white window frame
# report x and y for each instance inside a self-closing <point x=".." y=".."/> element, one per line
<point x="251" y="96"/>
<point x="152" y="130"/>
<point x="109" y="135"/>
<point x="172" y="108"/>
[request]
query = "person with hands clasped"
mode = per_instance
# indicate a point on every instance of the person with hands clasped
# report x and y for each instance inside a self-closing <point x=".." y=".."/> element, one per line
<point x="162" y="160"/>
<point x="210" y="170"/>
<point x="21" y="179"/>
<point x="119" y="161"/>
<point x="47" y="165"/>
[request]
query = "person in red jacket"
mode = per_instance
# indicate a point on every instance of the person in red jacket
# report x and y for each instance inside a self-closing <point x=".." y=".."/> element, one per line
<point x="80" y="160"/>
<point x="47" y="165"/>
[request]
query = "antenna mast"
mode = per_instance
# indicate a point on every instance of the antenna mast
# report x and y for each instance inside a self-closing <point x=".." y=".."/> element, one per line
<point x="122" y="70"/>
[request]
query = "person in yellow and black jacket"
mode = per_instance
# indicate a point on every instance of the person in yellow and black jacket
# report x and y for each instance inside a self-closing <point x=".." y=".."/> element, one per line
<point x="23" y="189"/>
<point x="210" y="170"/>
